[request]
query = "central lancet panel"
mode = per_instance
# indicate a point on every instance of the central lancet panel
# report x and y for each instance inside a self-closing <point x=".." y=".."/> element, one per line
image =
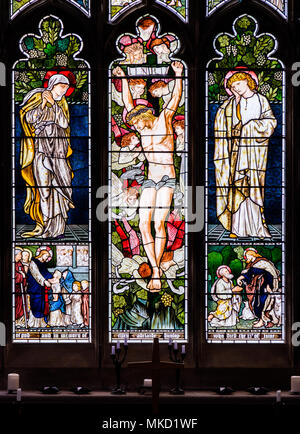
<point x="147" y="182"/>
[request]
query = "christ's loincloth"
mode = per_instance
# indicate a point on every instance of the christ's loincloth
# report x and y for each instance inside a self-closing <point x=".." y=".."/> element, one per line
<point x="164" y="182"/>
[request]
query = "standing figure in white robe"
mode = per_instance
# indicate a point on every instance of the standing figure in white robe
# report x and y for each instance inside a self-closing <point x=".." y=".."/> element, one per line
<point x="76" y="302"/>
<point x="243" y="125"/>
<point x="228" y="302"/>
<point x="45" y="153"/>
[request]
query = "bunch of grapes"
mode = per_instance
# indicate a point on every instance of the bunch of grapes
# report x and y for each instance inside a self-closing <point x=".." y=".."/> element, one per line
<point x="246" y="39"/>
<point x="278" y="75"/>
<point x="118" y="311"/>
<point x="261" y="60"/>
<point x="264" y="88"/>
<point x="211" y="79"/>
<point x="34" y="53"/>
<point x="118" y="118"/>
<point x="85" y="96"/>
<point x="234" y="50"/>
<point x="62" y="60"/>
<point x="23" y="77"/>
<point x="167" y="299"/>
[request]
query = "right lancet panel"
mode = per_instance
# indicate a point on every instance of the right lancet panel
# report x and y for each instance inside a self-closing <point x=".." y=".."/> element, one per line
<point x="245" y="188"/>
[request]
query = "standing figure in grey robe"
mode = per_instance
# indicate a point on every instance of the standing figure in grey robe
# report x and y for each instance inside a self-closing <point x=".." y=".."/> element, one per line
<point x="45" y="155"/>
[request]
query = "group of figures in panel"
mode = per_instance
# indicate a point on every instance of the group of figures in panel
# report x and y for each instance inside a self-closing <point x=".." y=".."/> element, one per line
<point x="247" y="294"/>
<point x="148" y="182"/>
<point x="45" y="298"/>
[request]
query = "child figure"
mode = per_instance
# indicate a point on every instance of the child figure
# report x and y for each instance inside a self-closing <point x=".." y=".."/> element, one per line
<point x="56" y="303"/>
<point x="85" y="302"/>
<point x="55" y="284"/>
<point x="76" y="302"/>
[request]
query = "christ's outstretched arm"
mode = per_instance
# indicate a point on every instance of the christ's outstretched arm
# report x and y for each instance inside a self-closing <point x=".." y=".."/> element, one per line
<point x="126" y="93"/>
<point x="177" y="91"/>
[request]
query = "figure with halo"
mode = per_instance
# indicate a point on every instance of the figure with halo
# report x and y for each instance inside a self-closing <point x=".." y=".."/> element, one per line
<point x="243" y="126"/>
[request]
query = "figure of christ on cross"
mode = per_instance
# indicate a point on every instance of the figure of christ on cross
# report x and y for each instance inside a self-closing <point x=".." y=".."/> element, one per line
<point x="157" y="140"/>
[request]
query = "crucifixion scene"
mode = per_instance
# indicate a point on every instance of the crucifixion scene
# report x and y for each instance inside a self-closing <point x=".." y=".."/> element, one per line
<point x="148" y="171"/>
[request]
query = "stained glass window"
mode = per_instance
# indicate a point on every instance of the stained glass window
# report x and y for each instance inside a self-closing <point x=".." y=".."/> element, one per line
<point x="179" y="7"/>
<point x="118" y="7"/>
<point x="245" y="188"/>
<point x="83" y="5"/>
<point x="51" y="188"/>
<point x="17" y="6"/>
<point x="280" y="5"/>
<point x="212" y="5"/>
<point x="148" y="173"/>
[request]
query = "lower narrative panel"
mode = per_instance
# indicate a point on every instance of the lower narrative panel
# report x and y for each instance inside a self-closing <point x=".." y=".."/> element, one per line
<point x="245" y="299"/>
<point x="52" y="293"/>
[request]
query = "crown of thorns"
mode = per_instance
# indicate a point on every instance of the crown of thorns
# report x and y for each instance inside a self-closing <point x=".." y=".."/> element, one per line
<point x="136" y="112"/>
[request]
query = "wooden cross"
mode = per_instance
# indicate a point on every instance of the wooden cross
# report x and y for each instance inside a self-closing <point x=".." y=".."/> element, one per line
<point x="156" y="366"/>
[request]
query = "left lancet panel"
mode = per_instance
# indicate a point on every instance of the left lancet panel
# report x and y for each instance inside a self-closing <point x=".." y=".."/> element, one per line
<point x="51" y="150"/>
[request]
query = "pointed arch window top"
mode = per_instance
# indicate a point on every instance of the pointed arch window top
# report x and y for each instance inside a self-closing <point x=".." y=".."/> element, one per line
<point x="118" y="7"/>
<point x="178" y="7"/>
<point x="213" y="5"/>
<point x="83" y="5"/>
<point x="17" y="6"/>
<point x="281" y="6"/>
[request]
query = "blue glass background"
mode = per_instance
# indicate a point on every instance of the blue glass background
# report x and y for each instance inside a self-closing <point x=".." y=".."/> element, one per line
<point x="79" y="159"/>
<point x="79" y="164"/>
<point x="79" y="120"/>
<point x="76" y="216"/>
